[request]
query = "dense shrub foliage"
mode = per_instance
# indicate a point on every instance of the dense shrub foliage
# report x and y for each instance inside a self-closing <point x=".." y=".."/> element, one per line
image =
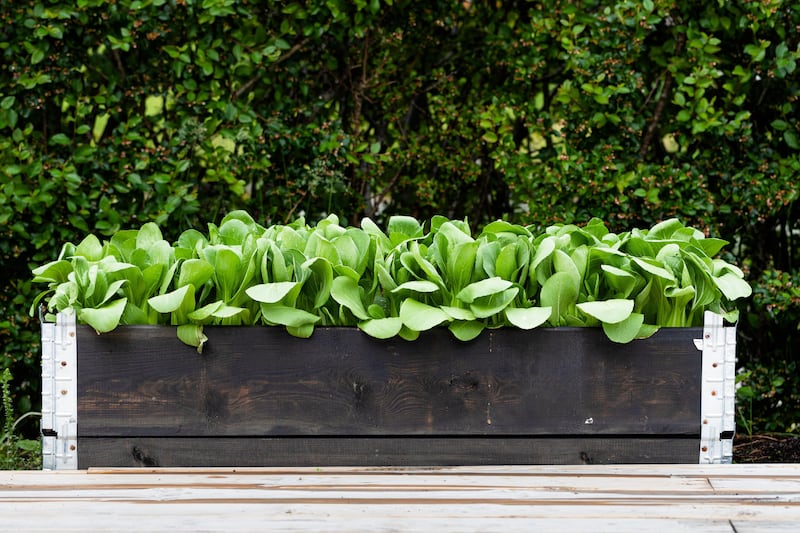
<point x="118" y="112"/>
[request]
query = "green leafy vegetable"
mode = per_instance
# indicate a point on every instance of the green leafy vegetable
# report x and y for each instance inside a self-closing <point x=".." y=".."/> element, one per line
<point x="409" y="279"/>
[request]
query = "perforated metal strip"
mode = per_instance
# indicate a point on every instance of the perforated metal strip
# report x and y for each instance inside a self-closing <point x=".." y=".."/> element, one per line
<point x="59" y="394"/>
<point x="718" y="400"/>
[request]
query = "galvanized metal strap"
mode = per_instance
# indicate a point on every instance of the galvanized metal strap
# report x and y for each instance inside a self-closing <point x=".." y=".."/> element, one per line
<point x="718" y="391"/>
<point x="59" y="393"/>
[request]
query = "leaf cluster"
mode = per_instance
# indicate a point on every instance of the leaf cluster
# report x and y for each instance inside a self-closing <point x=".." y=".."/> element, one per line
<point x="402" y="281"/>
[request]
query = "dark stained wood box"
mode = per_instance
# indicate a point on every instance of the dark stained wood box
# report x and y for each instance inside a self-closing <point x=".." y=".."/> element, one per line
<point x="257" y="396"/>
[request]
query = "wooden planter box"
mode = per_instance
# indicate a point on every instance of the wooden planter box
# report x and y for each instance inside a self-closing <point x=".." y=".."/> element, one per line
<point x="258" y="397"/>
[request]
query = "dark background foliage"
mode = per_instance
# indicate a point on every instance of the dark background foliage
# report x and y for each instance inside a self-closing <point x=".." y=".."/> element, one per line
<point x="117" y="112"/>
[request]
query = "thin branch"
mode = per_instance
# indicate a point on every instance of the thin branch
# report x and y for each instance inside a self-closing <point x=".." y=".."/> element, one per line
<point x="288" y="216"/>
<point x="680" y="39"/>
<point x="249" y="83"/>
<point x="374" y="204"/>
<point x="118" y="61"/>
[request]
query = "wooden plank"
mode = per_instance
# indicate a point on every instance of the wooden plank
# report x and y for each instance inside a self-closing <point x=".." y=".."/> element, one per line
<point x="141" y="381"/>
<point x="364" y="451"/>
<point x="625" y="498"/>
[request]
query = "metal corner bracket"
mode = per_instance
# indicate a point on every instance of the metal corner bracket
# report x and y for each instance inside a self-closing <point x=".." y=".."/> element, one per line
<point x="718" y="392"/>
<point x="59" y="393"/>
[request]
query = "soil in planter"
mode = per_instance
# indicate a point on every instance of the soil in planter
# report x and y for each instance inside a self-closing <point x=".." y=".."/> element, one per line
<point x="766" y="449"/>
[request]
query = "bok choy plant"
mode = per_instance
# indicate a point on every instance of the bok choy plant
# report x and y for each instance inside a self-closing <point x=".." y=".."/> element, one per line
<point x="410" y="278"/>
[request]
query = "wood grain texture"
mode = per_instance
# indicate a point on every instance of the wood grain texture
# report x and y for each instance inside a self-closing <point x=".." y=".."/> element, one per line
<point x="380" y="451"/>
<point x="620" y="499"/>
<point x="141" y="381"/>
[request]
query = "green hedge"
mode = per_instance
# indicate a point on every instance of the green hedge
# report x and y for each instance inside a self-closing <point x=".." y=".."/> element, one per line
<point x="118" y="112"/>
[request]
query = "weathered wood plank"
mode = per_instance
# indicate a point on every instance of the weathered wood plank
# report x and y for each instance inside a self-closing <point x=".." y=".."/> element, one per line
<point x="364" y="451"/>
<point x="141" y="381"/>
<point x="627" y="498"/>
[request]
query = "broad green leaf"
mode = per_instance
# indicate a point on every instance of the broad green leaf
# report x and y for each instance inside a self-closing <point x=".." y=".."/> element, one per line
<point x="194" y="272"/>
<point x="80" y="271"/>
<point x="455" y="232"/>
<point x="653" y="269"/>
<point x="365" y="248"/>
<point x="558" y="293"/>
<point x="486" y="306"/>
<point x="466" y="330"/>
<point x="402" y="228"/>
<point x="90" y="248"/>
<point x="580" y="258"/>
<point x="103" y="319"/>
<point x="192" y="335"/>
<point x="408" y="334"/>
<point x="133" y="315"/>
<point x="330" y="228"/>
<point x="90" y="286"/>
<point x="670" y="257"/>
<point x="166" y="281"/>
<point x="563" y="263"/>
<point x="483" y="287"/>
<point x="596" y="228"/>
<point x="421" y="317"/>
<point x="319" y="246"/>
<point x="626" y="330"/>
<point x="289" y="238"/>
<point x="172" y="301"/>
<point x="608" y="311"/>
<point x="271" y="292"/>
<point x="501" y="226"/>
<point x="647" y="330"/>
<point x="192" y="240"/>
<point x="621" y="281"/>
<point x="732" y="286"/>
<point x="486" y="259"/>
<point x="543" y="251"/>
<point x="457" y="313"/>
<point x="376" y="311"/>
<point x="639" y="247"/>
<point x="320" y="282"/>
<point x="346" y="292"/>
<point x="720" y="267"/>
<point x="124" y="242"/>
<point x="216" y="309"/>
<point x="275" y="313"/>
<point x="348" y="252"/>
<point x="427" y="267"/>
<point x="377" y="234"/>
<point x="706" y="291"/>
<point x="55" y="272"/>
<point x="381" y="328"/>
<point x="527" y="318"/>
<point x="242" y="216"/>
<point x="151" y="279"/>
<point x="227" y="270"/>
<point x="233" y="232"/>
<point x="148" y="235"/>
<point x="665" y="229"/>
<point x="417" y="286"/>
<point x="303" y="332"/>
<point x="461" y="263"/>
<point x="161" y="253"/>
<point x="711" y="246"/>
<point x="112" y="290"/>
<point x="385" y="279"/>
<point x="506" y="262"/>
